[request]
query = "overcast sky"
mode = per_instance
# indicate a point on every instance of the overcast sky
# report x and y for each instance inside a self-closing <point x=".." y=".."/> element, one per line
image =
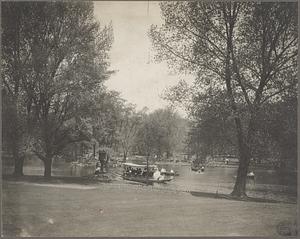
<point x="139" y="81"/>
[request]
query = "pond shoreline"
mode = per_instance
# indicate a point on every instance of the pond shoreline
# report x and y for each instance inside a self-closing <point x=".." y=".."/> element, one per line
<point x="266" y="193"/>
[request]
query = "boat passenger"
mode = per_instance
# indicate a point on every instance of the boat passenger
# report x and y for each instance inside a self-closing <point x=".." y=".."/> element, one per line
<point x="162" y="171"/>
<point x="129" y="171"/>
<point x="139" y="172"/>
<point x="144" y="173"/>
<point x="157" y="175"/>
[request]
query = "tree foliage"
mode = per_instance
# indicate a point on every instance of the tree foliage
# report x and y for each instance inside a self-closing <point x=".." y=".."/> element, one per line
<point x="105" y="116"/>
<point x="128" y="128"/>
<point x="161" y="133"/>
<point x="212" y="130"/>
<point x="15" y="70"/>
<point x="246" y="50"/>
<point x="66" y="55"/>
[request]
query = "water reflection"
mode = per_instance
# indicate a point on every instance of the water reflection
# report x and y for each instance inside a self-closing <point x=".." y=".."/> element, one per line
<point x="223" y="179"/>
<point x="76" y="170"/>
<point x="187" y="178"/>
<point x="227" y="175"/>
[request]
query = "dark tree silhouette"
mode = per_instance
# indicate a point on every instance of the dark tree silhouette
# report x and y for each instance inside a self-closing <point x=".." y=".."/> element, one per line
<point x="249" y="50"/>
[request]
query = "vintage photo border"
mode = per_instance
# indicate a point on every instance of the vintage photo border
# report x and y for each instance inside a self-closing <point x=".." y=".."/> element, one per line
<point x="298" y="134"/>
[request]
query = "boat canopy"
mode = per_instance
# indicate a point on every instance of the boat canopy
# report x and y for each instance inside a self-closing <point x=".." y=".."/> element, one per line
<point x="133" y="165"/>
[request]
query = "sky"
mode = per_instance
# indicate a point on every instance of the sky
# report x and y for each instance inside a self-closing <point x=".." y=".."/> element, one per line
<point x="140" y="80"/>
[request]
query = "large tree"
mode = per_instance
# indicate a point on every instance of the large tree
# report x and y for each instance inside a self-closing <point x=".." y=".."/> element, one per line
<point x="249" y="50"/>
<point x="68" y="54"/>
<point x="74" y="66"/>
<point x="15" y="69"/>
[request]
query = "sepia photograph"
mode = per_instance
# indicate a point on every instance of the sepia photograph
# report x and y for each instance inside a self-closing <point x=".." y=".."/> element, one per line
<point x="149" y="118"/>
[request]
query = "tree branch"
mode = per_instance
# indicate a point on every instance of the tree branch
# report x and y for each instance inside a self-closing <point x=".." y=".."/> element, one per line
<point x="276" y="93"/>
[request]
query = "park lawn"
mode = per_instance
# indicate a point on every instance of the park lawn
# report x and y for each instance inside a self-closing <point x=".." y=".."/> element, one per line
<point x="130" y="210"/>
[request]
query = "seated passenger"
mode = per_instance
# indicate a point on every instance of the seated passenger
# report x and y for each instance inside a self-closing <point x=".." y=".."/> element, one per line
<point x="156" y="175"/>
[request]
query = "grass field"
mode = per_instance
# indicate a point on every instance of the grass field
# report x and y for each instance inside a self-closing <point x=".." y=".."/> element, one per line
<point x="119" y="209"/>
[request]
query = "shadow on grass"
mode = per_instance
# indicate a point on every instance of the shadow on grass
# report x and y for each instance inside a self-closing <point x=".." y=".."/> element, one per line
<point x="10" y="230"/>
<point x="57" y="179"/>
<point x="229" y="197"/>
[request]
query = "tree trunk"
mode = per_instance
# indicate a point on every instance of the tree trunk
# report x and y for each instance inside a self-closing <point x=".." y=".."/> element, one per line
<point x="101" y="160"/>
<point x="239" y="189"/>
<point x="124" y="156"/>
<point x="75" y="152"/>
<point x="102" y="166"/>
<point x="244" y="146"/>
<point x="240" y="183"/>
<point x="107" y="161"/>
<point x="48" y="167"/>
<point x="19" y="161"/>
<point x="168" y="154"/>
<point x="94" y="150"/>
<point x="147" y="168"/>
<point x="16" y="139"/>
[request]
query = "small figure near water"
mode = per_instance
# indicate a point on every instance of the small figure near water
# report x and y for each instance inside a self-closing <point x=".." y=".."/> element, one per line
<point x="98" y="169"/>
<point x="250" y="175"/>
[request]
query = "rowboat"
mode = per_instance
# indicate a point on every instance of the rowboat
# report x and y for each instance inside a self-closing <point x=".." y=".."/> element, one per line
<point x="138" y="173"/>
<point x="198" y="168"/>
<point x="145" y="180"/>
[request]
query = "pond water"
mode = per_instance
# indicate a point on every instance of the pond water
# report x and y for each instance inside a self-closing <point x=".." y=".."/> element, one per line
<point x="225" y="178"/>
<point x="227" y="175"/>
<point x="36" y="167"/>
<point x="187" y="178"/>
